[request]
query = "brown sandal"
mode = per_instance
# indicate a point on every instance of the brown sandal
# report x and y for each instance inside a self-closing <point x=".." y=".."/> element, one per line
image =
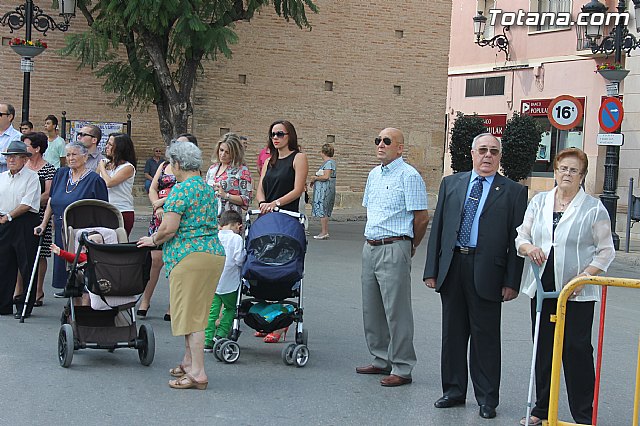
<point x="178" y="371"/>
<point x="187" y="382"/>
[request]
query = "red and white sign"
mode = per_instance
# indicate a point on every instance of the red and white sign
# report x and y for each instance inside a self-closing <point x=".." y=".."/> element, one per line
<point x="495" y="123"/>
<point x="540" y="107"/>
<point x="611" y="114"/>
<point x="565" y="112"/>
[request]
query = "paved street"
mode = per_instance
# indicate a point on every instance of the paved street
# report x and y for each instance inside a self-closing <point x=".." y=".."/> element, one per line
<point x="114" y="388"/>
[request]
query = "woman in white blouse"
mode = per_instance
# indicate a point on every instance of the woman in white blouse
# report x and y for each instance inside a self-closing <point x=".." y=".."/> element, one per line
<point x="119" y="173"/>
<point x="568" y="234"/>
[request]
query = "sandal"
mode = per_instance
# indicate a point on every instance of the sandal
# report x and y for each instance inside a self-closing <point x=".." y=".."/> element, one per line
<point x="39" y="301"/>
<point x="178" y="371"/>
<point x="533" y="421"/>
<point x="187" y="382"/>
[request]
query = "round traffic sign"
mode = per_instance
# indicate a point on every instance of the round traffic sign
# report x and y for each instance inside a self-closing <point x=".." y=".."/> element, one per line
<point x="565" y="112"/>
<point x="611" y="114"/>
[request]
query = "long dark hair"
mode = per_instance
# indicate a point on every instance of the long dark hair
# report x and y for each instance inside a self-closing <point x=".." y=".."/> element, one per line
<point x="293" y="140"/>
<point x="123" y="150"/>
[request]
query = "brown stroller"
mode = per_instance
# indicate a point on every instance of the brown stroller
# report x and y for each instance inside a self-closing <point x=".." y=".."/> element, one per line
<point x="114" y="275"/>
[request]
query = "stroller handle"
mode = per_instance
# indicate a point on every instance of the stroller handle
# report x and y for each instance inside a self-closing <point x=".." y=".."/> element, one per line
<point x="277" y="209"/>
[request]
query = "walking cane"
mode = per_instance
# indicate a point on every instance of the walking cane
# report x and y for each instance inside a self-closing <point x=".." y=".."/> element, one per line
<point x="541" y="295"/>
<point x="596" y="390"/>
<point x="33" y="274"/>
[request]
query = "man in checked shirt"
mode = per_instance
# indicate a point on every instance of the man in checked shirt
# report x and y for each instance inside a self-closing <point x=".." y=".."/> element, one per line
<point x="397" y="219"/>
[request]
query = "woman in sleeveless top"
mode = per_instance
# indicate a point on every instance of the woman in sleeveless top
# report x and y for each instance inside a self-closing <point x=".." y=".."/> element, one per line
<point x="118" y="173"/>
<point x="282" y="181"/>
<point x="324" y="190"/>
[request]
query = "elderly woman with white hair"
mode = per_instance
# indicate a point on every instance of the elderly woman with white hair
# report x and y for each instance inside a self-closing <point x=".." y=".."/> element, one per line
<point x="70" y="184"/>
<point x="193" y="258"/>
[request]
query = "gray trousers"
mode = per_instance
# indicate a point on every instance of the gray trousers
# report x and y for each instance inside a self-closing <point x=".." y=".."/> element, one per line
<point x="386" y="306"/>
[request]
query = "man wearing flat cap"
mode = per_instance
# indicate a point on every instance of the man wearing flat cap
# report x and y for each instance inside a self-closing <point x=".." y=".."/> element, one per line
<point x="19" y="204"/>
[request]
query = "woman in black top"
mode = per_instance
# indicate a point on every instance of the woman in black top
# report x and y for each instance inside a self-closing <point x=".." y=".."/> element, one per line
<point x="282" y="182"/>
<point x="283" y="177"/>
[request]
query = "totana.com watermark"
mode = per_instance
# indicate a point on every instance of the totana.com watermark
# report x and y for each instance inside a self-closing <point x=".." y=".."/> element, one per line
<point x="521" y="17"/>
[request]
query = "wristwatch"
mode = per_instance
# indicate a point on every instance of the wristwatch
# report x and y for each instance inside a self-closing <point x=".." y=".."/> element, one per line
<point x="9" y="218"/>
<point x="277" y="203"/>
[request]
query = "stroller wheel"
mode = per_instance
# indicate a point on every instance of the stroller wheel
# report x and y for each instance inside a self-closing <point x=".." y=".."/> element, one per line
<point x="146" y="345"/>
<point x="300" y="356"/>
<point x="230" y="351"/>
<point x="216" y="348"/>
<point x="65" y="345"/>
<point x="287" y="353"/>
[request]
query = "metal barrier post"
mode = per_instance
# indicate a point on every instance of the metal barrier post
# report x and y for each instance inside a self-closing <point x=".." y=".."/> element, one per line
<point x="558" y="344"/>
<point x="629" y="208"/>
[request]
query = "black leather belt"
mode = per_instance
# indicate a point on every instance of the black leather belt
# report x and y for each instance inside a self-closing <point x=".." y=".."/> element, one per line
<point x="389" y="240"/>
<point x="464" y="250"/>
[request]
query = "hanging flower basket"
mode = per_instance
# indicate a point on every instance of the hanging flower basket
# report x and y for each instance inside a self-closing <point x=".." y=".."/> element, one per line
<point x="27" y="48"/>
<point x="613" y="75"/>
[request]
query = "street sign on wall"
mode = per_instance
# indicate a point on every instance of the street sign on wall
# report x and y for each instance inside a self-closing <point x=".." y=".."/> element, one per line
<point x="565" y="112"/>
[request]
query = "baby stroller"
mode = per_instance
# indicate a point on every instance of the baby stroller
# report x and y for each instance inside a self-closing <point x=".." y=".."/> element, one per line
<point x="114" y="274"/>
<point x="276" y="245"/>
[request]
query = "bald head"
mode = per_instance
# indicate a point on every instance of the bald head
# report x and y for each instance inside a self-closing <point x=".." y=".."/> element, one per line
<point x="388" y="153"/>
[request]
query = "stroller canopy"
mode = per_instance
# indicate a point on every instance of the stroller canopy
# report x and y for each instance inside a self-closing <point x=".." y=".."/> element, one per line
<point x="276" y="246"/>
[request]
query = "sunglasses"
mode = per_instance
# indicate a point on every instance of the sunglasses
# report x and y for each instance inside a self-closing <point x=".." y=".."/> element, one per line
<point x="386" y="141"/>
<point x="280" y="134"/>
<point x="81" y="135"/>
<point x="483" y="151"/>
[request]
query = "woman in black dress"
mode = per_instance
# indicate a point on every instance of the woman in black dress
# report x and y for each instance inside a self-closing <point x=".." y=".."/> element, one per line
<point x="282" y="180"/>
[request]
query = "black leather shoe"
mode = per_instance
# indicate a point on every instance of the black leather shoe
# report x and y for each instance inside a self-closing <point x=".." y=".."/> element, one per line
<point x="487" y="412"/>
<point x="446" y="402"/>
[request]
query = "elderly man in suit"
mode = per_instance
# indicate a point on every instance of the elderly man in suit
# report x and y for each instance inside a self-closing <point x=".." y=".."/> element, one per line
<point x="473" y="264"/>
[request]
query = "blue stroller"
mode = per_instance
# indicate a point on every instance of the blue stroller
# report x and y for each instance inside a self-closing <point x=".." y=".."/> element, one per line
<point x="276" y="245"/>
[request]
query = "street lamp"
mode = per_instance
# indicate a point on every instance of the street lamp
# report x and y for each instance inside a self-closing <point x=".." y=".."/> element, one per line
<point x="500" y="41"/>
<point x="30" y="16"/>
<point x="617" y="41"/>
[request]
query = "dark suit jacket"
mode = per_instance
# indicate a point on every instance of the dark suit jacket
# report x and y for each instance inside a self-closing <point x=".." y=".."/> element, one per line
<point x="496" y="263"/>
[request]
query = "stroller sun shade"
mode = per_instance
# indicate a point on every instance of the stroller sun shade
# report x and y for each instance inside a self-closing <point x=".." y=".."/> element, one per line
<point x="276" y="246"/>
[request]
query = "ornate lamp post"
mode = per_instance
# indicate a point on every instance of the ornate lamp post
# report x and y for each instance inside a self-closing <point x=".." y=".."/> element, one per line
<point x="617" y="41"/>
<point x="30" y="16"/>
<point x="500" y="41"/>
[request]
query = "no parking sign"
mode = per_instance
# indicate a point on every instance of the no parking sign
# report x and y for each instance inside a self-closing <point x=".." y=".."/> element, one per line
<point x="611" y="114"/>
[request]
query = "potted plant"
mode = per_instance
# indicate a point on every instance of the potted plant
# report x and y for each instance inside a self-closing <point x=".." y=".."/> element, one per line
<point x="27" y="48"/>
<point x="465" y="128"/>
<point x="612" y="72"/>
<point x="520" y="142"/>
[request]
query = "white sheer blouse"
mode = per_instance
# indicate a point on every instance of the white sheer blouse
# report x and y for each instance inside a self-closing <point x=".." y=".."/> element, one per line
<point x="582" y="238"/>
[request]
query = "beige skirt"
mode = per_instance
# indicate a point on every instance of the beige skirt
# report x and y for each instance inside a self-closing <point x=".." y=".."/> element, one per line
<point x="192" y="284"/>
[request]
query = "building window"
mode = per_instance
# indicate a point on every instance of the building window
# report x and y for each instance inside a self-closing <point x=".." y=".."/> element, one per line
<point x="331" y="138"/>
<point x="550" y="8"/>
<point x="552" y="142"/>
<point x="224" y="130"/>
<point x="397" y="90"/>
<point x="485" y="6"/>
<point x="399" y="33"/>
<point x="484" y="86"/>
<point x="242" y="78"/>
<point x="328" y="86"/>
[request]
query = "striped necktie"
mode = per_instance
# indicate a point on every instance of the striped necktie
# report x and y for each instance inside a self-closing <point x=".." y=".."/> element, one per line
<point x="469" y="212"/>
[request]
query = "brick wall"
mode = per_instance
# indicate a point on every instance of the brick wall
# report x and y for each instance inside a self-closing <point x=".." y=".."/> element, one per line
<point x="363" y="48"/>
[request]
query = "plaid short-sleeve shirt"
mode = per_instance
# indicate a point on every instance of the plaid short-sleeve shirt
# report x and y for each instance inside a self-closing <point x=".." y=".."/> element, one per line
<point x="392" y="194"/>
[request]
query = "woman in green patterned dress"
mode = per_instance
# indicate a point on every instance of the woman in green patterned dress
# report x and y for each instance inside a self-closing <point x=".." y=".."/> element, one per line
<point x="193" y="258"/>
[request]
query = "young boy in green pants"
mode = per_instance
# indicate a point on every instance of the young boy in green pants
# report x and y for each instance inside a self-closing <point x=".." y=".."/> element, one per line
<point x="230" y="227"/>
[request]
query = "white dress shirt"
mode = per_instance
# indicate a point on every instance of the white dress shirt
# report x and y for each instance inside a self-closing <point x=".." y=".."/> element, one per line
<point x="582" y="238"/>
<point x="6" y="137"/>
<point x="20" y="188"/>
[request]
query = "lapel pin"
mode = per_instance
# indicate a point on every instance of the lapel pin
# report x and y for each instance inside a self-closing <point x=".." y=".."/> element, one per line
<point x="497" y="188"/>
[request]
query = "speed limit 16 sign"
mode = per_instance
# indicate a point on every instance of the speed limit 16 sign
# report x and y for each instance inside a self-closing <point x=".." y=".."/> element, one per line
<point x="565" y="112"/>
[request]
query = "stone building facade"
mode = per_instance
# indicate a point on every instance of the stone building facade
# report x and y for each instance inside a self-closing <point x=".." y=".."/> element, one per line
<point x="362" y="67"/>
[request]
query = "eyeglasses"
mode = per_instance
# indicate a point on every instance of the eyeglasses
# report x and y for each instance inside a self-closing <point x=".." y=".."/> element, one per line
<point x="81" y="135"/>
<point x="4" y="113"/>
<point x="572" y="171"/>
<point x="386" y="141"/>
<point x="280" y="134"/>
<point x="483" y="151"/>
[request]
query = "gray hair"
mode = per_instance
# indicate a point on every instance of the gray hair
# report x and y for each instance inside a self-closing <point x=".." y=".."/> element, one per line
<point x="77" y="145"/>
<point x="186" y="154"/>
<point x="482" y="135"/>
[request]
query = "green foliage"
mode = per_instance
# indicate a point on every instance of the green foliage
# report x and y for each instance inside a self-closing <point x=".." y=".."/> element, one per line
<point x="520" y="143"/>
<point x="149" y="51"/>
<point x="465" y="128"/>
